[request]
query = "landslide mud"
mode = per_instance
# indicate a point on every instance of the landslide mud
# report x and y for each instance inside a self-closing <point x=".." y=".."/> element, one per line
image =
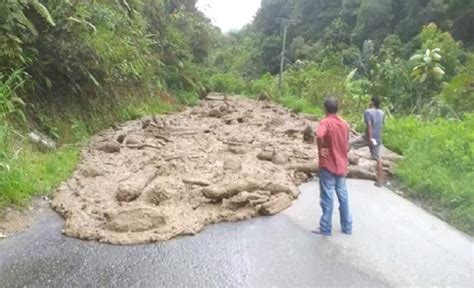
<point x="228" y="159"/>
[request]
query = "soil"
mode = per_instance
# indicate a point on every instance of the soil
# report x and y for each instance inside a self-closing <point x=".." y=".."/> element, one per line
<point x="14" y="220"/>
<point x="228" y="159"/>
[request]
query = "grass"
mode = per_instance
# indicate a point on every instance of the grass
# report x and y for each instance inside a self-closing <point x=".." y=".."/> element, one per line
<point x="30" y="173"/>
<point x="33" y="173"/>
<point x="301" y="105"/>
<point x="132" y="108"/>
<point x="438" y="164"/>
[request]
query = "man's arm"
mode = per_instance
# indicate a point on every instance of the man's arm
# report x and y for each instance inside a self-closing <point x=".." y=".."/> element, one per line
<point x="320" y="136"/>
<point x="369" y="134"/>
<point x="368" y="128"/>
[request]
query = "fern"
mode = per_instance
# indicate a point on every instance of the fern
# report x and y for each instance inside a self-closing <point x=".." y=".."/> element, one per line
<point x="42" y="10"/>
<point x="23" y="20"/>
<point x="84" y="22"/>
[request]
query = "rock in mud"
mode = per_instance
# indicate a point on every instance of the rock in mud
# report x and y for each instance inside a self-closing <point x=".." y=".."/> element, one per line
<point x="308" y="134"/>
<point x="238" y="150"/>
<point x="137" y="219"/>
<point x="277" y="204"/>
<point x="121" y="137"/>
<point x="91" y="172"/>
<point x="109" y="147"/>
<point x="280" y="158"/>
<point x="131" y="140"/>
<point x="277" y="121"/>
<point x="358" y="172"/>
<point x="130" y="189"/>
<point x="300" y="178"/>
<point x="42" y="142"/>
<point x="155" y="194"/>
<point x="246" y="199"/>
<point x="292" y="133"/>
<point x="277" y="188"/>
<point x="216" y="113"/>
<point x="353" y="160"/>
<point x="232" y="165"/>
<point x="265" y="156"/>
<point x="227" y="190"/>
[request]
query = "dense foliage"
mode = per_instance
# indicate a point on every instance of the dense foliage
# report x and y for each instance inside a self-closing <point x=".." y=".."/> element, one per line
<point x="71" y="67"/>
<point x="79" y="49"/>
<point x="376" y="37"/>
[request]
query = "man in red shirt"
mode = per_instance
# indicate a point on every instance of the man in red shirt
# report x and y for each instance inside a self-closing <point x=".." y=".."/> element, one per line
<point x="333" y="146"/>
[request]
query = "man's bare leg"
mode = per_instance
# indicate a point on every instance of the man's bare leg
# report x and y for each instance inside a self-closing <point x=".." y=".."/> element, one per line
<point x="380" y="178"/>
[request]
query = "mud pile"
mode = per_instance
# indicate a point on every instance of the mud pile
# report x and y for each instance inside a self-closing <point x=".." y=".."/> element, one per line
<point x="228" y="159"/>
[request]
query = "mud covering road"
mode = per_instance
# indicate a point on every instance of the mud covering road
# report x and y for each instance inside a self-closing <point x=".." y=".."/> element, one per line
<point x="228" y="159"/>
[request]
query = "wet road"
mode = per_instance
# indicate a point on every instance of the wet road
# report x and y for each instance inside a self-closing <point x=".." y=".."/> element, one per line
<point x="394" y="243"/>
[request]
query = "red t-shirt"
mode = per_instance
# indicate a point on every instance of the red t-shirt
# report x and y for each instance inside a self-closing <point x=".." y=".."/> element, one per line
<point x="333" y="133"/>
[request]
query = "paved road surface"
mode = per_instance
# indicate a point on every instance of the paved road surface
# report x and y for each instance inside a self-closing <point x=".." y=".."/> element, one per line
<point x="394" y="243"/>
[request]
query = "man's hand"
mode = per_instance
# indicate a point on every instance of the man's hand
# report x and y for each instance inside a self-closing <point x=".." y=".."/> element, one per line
<point x="369" y="135"/>
<point x="370" y="144"/>
<point x="324" y="152"/>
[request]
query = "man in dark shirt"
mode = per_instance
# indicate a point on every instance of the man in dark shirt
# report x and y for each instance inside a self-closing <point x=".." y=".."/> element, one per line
<point x="333" y="146"/>
<point x="374" y="119"/>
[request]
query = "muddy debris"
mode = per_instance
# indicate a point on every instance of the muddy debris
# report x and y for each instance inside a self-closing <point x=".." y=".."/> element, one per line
<point x="109" y="147"/>
<point x="308" y="134"/>
<point x="227" y="159"/>
<point x="136" y="219"/>
<point x="353" y="160"/>
<point x="265" y="156"/>
<point x="91" y="172"/>
<point x="278" y="203"/>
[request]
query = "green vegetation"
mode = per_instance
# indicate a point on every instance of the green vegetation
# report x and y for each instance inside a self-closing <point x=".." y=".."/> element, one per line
<point x="416" y="55"/>
<point x="438" y="164"/>
<point x="29" y="173"/>
<point x="71" y="68"/>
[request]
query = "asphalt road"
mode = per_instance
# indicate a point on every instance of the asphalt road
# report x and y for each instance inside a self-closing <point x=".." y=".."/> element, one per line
<point x="395" y="243"/>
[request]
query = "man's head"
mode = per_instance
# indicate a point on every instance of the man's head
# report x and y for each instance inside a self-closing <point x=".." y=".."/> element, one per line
<point x="375" y="102"/>
<point x="331" y="106"/>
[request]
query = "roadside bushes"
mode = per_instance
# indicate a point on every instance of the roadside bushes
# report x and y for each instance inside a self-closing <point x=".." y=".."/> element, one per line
<point x="226" y="82"/>
<point x="459" y="92"/>
<point x="265" y="84"/>
<point x="314" y="84"/>
<point x="83" y="66"/>
<point x="12" y="117"/>
<point x="438" y="163"/>
<point x="301" y="105"/>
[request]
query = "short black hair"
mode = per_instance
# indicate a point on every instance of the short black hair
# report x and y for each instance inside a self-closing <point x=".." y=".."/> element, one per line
<point x="331" y="105"/>
<point x="376" y="101"/>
